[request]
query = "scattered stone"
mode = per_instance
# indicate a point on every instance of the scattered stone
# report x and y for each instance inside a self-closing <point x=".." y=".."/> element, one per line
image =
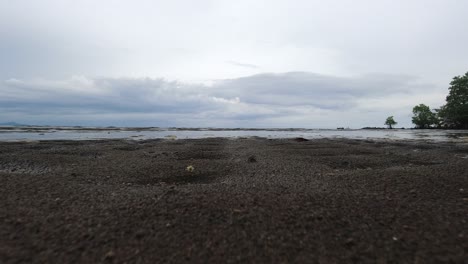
<point x="346" y="163"/>
<point x="252" y="159"/>
<point x="109" y="255"/>
<point x="140" y="234"/>
<point x="349" y="242"/>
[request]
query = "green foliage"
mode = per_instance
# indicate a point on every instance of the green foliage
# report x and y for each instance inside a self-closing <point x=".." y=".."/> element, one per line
<point x="455" y="112"/>
<point x="390" y="122"/>
<point x="423" y="117"/>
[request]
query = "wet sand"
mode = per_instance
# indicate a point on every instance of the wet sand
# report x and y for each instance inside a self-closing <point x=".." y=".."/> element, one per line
<point x="247" y="200"/>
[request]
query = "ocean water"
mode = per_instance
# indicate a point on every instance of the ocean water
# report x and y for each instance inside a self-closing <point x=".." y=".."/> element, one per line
<point x="92" y="133"/>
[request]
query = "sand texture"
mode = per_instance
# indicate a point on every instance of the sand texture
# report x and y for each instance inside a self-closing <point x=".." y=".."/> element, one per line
<point x="245" y="200"/>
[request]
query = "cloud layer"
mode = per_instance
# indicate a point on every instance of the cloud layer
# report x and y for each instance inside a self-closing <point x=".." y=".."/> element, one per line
<point x="205" y="39"/>
<point x="292" y="99"/>
<point x="263" y="63"/>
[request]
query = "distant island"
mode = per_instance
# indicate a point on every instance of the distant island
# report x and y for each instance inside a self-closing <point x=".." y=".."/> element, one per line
<point x="12" y="124"/>
<point x="379" y="128"/>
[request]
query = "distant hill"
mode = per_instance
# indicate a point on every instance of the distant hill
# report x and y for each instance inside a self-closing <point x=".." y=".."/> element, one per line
<point x="12" y="124"/>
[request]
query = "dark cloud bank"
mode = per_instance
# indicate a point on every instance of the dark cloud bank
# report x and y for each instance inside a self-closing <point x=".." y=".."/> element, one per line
<point x="293" y="99"/>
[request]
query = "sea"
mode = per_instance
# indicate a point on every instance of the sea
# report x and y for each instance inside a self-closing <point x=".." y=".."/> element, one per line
<point x="34" y="133"/>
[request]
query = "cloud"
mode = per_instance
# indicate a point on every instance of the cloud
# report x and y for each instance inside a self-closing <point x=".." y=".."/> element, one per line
<point x="193" y="41"/>
<point x="245" y="65"/>
<point x="293" y="99"/>
<point x="316" y="90"/>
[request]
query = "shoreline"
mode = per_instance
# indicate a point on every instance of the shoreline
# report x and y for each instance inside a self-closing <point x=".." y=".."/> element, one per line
<point x="442" y="136"/>
<point x="246" y="200"/>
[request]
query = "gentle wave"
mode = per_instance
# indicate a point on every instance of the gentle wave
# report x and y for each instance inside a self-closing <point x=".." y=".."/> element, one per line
<point x="95" y="133"/>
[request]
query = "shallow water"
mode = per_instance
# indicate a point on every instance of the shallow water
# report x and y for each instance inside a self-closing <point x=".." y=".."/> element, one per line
<point x="70" y="133"/>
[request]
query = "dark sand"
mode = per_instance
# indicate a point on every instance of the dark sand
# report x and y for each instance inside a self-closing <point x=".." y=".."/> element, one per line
<point x="248" y="200"/>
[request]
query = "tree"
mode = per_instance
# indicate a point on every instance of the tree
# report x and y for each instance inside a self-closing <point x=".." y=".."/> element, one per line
<point x="423" y="117"/>
<point x="455" y="112"/>
<point x="442" y="117"/>
<point x="390" y="122"/>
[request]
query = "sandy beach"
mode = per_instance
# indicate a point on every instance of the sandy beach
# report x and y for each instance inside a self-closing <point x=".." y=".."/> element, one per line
<point x="247" y="200"/>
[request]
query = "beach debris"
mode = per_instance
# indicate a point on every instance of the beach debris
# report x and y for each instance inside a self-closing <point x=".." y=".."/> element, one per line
<point x="172" y="137"/>
<point x="300" y="139"/>
<point x="252" y="159"/>
<point x="190" y="168"/>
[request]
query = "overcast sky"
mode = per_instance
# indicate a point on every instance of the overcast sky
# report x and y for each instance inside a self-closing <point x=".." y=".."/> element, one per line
<point x="244" y="63"/>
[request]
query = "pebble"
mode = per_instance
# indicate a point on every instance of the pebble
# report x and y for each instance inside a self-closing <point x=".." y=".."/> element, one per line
<point x="109" y="255"/>
<point x="349" y="242"/>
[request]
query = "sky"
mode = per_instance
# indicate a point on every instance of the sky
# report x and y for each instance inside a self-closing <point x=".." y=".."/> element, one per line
<point x="220" y="63"/>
